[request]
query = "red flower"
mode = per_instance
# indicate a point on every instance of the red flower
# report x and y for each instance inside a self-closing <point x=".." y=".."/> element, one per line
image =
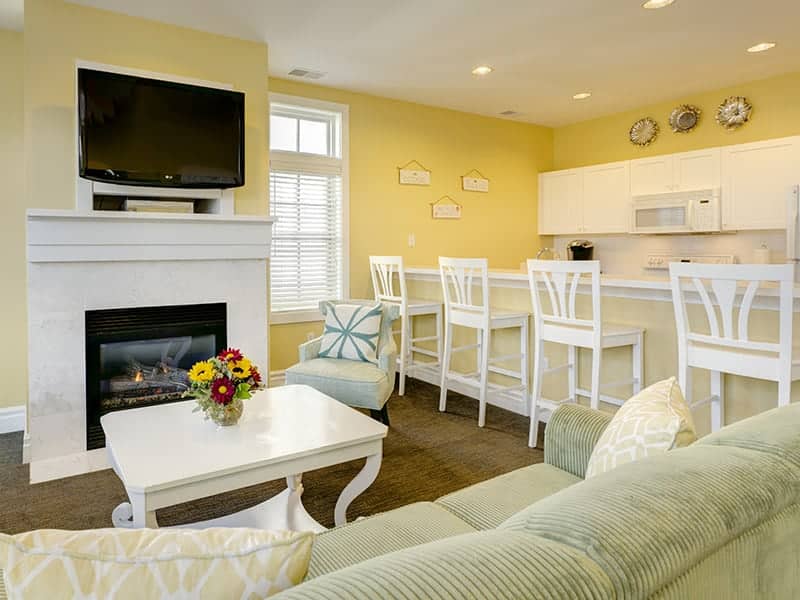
<point x="222" y="390"/>
<point x="255" y="376"/>
<point x="230" y="354"/>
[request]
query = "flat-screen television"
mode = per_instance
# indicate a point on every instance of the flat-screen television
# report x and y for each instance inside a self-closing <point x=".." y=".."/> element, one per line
<point x="140" y="131"/>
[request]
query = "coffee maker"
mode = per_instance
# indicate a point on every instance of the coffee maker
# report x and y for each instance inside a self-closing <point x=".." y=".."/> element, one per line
<point x="580" y="250"/>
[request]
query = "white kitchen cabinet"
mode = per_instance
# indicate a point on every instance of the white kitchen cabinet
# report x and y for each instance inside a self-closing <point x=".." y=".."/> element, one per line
<point x="698" y="170"/>
<point x="757" y="180"/>
<point x="606" y="198"/>
<point x="560" y="199"/>
<point x="676" y="172"/>
<point x="652" y="175"/>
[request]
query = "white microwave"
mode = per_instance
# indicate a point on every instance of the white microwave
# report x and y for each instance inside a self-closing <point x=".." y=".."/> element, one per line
<point x="697" y="211"/>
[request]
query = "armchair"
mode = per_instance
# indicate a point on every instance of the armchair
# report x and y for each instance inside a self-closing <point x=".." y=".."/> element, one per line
<point x="355" y="383"/>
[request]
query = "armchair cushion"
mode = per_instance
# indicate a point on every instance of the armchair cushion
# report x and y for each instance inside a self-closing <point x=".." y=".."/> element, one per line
<point x="351" y="332"/>
<point x="351" y="382"/>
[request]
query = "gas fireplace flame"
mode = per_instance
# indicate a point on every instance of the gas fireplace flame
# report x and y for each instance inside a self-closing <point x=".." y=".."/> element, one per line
<point x="138" y="377"/>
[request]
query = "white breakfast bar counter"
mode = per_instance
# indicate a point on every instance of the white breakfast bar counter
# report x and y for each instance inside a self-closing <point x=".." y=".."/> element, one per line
<point x="644" y="301"/>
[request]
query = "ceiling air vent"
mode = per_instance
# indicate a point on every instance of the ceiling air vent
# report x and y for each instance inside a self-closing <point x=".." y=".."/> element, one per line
<point x="306" y="73"/>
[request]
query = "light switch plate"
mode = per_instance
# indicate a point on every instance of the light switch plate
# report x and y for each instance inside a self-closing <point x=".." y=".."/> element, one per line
<point x="412" y="240"/>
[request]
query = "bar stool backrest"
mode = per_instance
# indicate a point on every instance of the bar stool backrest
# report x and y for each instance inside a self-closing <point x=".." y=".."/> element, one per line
<point x="727" y="293"/>
<point x="560" y="280"/>
<point x="383" y="270"/>
<point x="460" y="277"/>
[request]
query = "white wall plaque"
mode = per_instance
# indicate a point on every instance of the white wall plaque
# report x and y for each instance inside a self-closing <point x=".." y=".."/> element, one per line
<point x="415" y="177"/>
<point x="450" y="209"/>
<point x="414" y="173"/>
<point x="474" y="184"/>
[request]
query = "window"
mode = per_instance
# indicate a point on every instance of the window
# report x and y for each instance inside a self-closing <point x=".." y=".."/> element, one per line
<point x="308" y="195"/>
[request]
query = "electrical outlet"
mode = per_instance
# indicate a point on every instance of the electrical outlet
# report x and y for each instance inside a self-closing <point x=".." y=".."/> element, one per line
<point x="412" y="240"/>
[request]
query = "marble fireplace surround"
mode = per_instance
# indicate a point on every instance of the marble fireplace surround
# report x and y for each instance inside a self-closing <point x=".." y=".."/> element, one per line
<point x="79" y="261"/>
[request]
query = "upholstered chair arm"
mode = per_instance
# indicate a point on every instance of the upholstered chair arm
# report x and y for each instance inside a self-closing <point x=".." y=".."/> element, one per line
<point x="309" y="349"/>
<point x="387" y="358"/>
<point x="570" y="437"/>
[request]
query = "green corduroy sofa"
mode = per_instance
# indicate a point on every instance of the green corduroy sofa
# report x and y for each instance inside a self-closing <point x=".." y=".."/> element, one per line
<point x="719" y="519"/>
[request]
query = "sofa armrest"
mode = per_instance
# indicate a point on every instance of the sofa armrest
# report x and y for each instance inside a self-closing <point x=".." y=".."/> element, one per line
<point x="309" y="349"/>
<point x="570" y="437"/>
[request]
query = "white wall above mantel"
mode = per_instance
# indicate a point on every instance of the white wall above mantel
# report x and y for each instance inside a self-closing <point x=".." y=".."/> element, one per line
<point x="77" y="236"/>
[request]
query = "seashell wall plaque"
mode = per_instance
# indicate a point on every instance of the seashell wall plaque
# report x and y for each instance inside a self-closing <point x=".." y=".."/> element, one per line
<point x="644" y="132"/>
<point x="684" y="118"/>
<point x="734" y="112"/>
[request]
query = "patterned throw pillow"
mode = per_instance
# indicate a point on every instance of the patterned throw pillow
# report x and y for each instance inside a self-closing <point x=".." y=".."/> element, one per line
<point x="124" y="564"/>
<point x="655" y="420"/>
<point x="351" y="332"/>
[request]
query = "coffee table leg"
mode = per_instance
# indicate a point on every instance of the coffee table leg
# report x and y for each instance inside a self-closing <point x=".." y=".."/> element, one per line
<point x="294" y="502"/>
<point x="131" y="515"/>
<point x="357" y="486"/>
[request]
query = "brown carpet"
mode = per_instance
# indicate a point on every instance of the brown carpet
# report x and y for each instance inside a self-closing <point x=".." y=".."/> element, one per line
<point x="426" y="454"/>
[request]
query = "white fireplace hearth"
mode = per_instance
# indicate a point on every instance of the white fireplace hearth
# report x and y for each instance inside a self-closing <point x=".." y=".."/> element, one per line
<point x="79" y="261"/>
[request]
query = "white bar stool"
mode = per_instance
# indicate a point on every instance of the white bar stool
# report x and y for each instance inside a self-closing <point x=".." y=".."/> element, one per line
<point x="458" y="277"/>
<point x="560" y="325"/>
<point x="731" y="350"/>
<point x="383" y="270"/>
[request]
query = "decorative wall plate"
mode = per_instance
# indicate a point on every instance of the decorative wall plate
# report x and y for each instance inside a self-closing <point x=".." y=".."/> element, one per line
<point x="734" y="112"/>
<point x="684" y="118"/>
<point x="644" y="132"/>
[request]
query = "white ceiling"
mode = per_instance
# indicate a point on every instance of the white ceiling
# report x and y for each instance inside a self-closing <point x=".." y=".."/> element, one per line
<point x="543" y="51"/>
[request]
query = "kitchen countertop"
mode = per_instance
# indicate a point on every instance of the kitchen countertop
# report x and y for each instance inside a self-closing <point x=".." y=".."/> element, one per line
<point x="645" y="287"/>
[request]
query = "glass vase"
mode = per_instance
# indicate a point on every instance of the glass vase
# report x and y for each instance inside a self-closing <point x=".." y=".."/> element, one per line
<point x="228" y="415"/>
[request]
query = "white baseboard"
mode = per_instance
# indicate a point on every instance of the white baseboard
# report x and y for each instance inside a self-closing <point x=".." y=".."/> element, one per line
<point x="277" y="378"/>
<point x="12" y="419"/>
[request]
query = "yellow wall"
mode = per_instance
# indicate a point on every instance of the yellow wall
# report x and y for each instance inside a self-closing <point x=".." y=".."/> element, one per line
<point x="57" y="34"/>
<point x="385" y="134"/>
<point x="12" y="231"/>
<point x="776" y="113"/>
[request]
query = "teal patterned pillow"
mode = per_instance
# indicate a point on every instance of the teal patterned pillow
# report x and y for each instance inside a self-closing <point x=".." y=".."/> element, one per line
<point x="351" y="332"/>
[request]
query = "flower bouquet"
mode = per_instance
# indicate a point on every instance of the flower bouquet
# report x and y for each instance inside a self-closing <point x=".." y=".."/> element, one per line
<point x="221" y="383"/>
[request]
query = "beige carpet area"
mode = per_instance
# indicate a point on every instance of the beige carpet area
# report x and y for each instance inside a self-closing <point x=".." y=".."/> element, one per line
<point x="426" y="454"/>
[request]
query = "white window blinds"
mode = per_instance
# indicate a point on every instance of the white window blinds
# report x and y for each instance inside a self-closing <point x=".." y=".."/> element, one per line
<point x="307" y="197"/>
<point x="307" y="238"/>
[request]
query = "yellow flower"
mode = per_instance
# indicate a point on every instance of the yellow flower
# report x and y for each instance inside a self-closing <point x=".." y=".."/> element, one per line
<point x="201" y="371"/>
<point x="240" y="369"/>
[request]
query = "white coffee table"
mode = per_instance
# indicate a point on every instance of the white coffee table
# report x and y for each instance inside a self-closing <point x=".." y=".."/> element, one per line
<point x="166" y="455"/>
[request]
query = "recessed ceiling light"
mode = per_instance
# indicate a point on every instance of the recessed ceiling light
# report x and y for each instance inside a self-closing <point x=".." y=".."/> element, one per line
<point x="657" y="3"/>
<point x="763" y="46"/>
<point x="482" y="70"/>
<point x="582" y="96"/>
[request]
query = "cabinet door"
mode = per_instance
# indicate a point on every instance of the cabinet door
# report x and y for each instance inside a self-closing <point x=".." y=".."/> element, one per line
<point x="756" y="182"/>
<point x="606" y="198"/>
<point x="652" y="175"/>
<point x="697" y="170"/>
<point x="560" y="196"/>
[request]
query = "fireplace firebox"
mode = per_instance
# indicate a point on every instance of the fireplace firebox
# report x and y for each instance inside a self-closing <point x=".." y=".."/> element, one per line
<point x="141" y="356"/>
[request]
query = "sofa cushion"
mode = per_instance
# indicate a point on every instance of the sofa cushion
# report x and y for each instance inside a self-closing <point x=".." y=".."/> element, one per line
<point x="476" y="566"/>
<point x="366" y="538"/>
<point x="570" y="437"/>
<point x="655" y="420"/>
<point x="153" y="563"/>
<point x="647" y="522"/>
<point x="775" y="432"/>
<point x="487" y="504"/>
<point x="354" y="383"/>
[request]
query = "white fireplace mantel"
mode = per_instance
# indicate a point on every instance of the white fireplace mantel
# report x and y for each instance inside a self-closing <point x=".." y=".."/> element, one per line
<point x="73" y="236"/>
<point x="90" y="260"/>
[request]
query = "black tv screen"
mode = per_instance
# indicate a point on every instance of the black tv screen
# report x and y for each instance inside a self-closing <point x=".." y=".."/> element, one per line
<point x="140" y="131"/>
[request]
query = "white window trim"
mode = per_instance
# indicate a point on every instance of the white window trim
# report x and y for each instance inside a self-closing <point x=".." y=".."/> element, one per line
<point x="306" y="316"/>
